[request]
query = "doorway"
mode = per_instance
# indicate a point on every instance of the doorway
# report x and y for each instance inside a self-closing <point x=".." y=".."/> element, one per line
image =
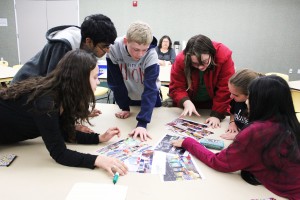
<point x="35" y="17"/>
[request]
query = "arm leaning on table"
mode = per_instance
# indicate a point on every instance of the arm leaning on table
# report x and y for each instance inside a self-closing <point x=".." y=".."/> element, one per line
<point x="150" y="96"/>
<point x="178" y="85"/>
<point x="48" y="125"/>
<point x="117" y="85"/>
<point x="251" y="143"/>
<point x="217" y="81"/>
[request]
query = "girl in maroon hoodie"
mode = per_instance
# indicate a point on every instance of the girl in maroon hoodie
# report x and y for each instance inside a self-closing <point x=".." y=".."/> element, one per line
<point x="268" y="149"/>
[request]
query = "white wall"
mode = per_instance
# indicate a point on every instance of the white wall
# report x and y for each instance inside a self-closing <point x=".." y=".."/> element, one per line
<point x="35" y="18"/>
<point x="264" y="35"/>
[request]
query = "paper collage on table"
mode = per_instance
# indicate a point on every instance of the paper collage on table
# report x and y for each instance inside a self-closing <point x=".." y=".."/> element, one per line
<point x="137" y="155"/>
<point x="166" y="146"/>
<point x="124" y="149"/>
<point x="174" y="164"/>
<point x="181" y="168"/>
<point x="189" y="128"/>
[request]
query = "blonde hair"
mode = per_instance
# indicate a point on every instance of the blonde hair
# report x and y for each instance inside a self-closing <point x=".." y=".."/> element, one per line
<point x="242" y="78"/>
<point x="140" y="33"/>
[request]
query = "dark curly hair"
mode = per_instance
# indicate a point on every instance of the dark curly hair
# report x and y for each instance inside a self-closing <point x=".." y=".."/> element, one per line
<point x="68" y="85"/>
<point x="99" y="28"/>
<point x="161" y="40"/>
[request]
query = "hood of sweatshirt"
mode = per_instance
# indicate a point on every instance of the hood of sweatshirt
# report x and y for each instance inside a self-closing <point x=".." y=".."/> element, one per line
<point x="71" y="35"/>
<point x="153" y="43"/>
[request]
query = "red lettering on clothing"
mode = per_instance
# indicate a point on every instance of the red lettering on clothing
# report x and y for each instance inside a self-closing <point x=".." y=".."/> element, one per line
<point x="135" y="73"/>
<point x="123" y="69"/>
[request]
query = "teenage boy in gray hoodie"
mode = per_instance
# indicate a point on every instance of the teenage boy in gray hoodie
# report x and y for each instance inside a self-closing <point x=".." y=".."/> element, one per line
<point x="133" y="75"/>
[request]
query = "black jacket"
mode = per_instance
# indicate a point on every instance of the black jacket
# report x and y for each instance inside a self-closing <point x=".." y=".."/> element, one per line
<point x="21" y="121"/>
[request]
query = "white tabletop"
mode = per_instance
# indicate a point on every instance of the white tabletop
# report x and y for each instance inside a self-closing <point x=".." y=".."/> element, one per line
<point x="164" y="74"/>
<point x="7" y="73"/>
<point x="294" y="85"/>
<point x="35" y="175"/>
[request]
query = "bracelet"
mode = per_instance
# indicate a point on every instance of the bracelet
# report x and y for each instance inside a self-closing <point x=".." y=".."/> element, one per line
<point x="231" y="121"/>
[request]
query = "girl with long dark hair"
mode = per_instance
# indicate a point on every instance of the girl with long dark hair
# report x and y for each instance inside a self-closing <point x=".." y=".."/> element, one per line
<point x="267" y="150"/>
<point x="51" y="106"/>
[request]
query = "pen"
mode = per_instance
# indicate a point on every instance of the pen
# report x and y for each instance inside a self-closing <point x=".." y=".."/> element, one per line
<point x="116" y="177"/>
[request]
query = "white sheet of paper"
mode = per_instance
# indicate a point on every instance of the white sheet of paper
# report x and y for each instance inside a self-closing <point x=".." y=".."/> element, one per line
<point x="159" y="163"/>
<point x="83" y="191"/>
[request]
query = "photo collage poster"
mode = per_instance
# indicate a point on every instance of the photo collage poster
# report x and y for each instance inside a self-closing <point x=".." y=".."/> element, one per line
<point x="124" y="149"/>
<point x="138" y="156"/>
<point x="166" y="146"/>
<point x="180" y="168"/>
<point x="174" y="164"/>
<point x="189" y="128"/>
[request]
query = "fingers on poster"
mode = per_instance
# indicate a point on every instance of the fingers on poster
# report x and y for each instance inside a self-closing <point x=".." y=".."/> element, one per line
<point x="166" y="146"/>
<point x="189" y="128"/>
<point x="172" y="163"/>
<point x="124" y="149"/>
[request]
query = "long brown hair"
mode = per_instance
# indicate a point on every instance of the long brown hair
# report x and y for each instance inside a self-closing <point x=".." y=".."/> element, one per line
<point x="197" y="45"/>
<point x="242" y="78"/>
<point x="68" y="85"/>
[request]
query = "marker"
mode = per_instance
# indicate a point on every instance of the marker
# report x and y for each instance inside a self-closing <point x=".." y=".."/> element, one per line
<point x="116" y="177"/>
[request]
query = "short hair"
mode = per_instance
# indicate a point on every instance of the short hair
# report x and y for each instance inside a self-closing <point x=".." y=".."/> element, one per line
<point x="161" y="40"/>
<point x="242" y="78"/>
<point x="140" y="33"/>
<point x="99" y="28"/>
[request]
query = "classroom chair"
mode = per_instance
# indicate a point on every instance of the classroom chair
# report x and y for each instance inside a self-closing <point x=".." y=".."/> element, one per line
<point x="164" y="92"/>
<point x="100" y="91"/>
<point x="284" y="76"/>
<point x="296" y="99"/>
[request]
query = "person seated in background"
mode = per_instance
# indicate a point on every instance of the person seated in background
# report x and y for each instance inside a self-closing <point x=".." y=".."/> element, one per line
<point x="267" y="150"/>
<point x="50" y="106"/>
<point x="132" y="74"/>
<point x="199" y="79"/>
<point x="238" y="87"/>
<point x="166" y="54"/>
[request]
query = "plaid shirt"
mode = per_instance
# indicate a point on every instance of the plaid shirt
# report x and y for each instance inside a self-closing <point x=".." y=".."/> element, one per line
<point x="245" y="153"/>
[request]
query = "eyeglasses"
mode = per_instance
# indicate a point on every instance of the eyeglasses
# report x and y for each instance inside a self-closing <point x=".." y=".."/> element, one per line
<point x="104" y="47"/>
<point x="205" y="62"/>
